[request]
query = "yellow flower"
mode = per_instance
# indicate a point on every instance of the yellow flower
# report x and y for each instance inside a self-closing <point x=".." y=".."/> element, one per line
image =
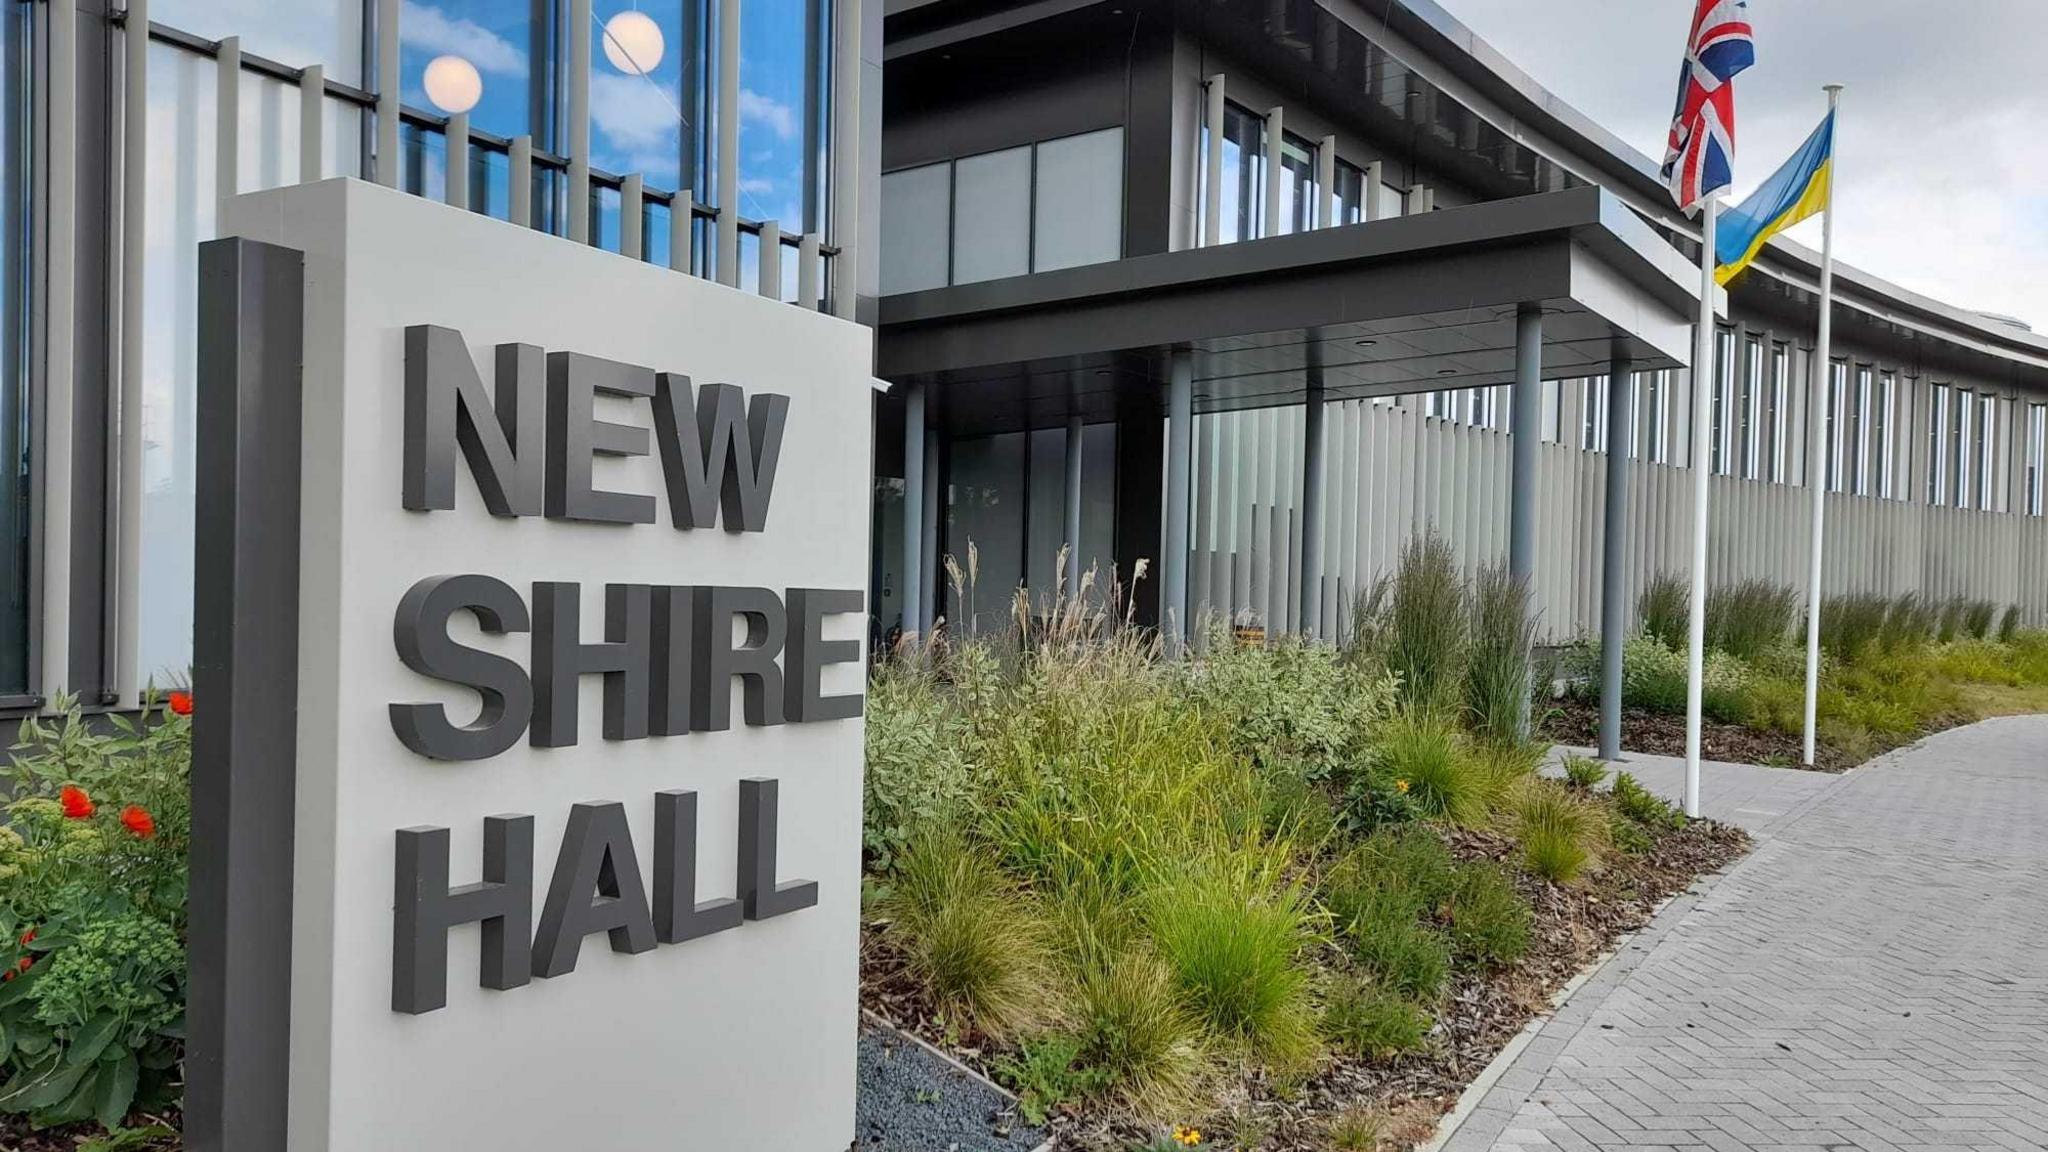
<point x="1401" y="786"/>
<point x="1185" y="1136"/>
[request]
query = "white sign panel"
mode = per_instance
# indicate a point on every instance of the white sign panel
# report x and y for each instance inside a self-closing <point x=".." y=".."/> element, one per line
<point x="576" y="855"/>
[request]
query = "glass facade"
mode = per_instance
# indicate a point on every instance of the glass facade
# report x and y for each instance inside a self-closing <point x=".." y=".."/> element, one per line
<point x="1297" y="184"/>
<point x="2037" y="456"/>
<point x="1243" y="200"/>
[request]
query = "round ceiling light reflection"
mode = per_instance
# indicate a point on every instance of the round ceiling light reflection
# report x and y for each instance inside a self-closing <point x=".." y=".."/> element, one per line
<point x="632" y="42"/>
<point x="452" y="84"/>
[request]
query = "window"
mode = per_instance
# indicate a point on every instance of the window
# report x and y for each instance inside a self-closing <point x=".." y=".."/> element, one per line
<point x="1054" y="204"/>
<point x="1244" y="169"/>
<point x="1938" y="399"/>
<point x="992" y="216"/>
<point x="1964" y="418"/>
<point x="1752" y="406"/>
<point x="1781" y="411"/>
<point x="1859" y="426"/>
<point x="17" y="180"/>
<point x="1593" y="425"/>
<point x="916" y="211"/>
<point x="784" y="89"/>
<point x="1658" y="412"/>
<point x="1079" y="192"/>
<point x="650" y="102"/>
<point x="1885" y="432"/>
<point x="2037" y="456"/>
<point x="1297" y="184"/>
<point x="1721" y="429"/>
<point x="1350" y="193"/>
<point x="1837" y="401"/>
<point x="295" y="33"/>
<point x="1987" y="453"/>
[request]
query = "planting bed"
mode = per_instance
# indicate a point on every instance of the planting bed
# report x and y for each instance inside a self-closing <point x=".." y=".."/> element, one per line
<point x="1572" y="926"/>
<point x="1576" y="721"/>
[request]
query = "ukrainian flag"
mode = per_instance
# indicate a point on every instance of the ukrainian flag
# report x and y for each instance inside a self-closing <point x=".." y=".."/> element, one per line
<point x="1793" y="193"/>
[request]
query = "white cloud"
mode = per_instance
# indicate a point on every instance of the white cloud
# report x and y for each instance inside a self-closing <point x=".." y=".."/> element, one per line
<point x="427" y="27"/>
<point x="1940" y="184"/>
<point x="771" y="114"/>
<point x="632" y="113"/>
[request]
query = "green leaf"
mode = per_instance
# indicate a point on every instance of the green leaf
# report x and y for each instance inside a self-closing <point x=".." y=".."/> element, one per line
<point x="30" y="1037"/>
<point x="115" y="1092"/>
<point x="52" y="1087"/>
<point x="93" y="1038"/>
<point x="76" y="1105"/>
<point x="18" y="987"/>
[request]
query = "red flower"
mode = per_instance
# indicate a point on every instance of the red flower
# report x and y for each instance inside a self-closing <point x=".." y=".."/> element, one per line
<point x="24" y="962"/>
<point x="138" y="821"/>
<point x="77" y="805"/>
<point x="181" y="703"/>
<point x="28" y="938"/>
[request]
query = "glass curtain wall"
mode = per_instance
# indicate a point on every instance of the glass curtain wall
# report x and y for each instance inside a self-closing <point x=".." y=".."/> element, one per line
<point x="1937" y="444"/>
<point x="1244" y="175"/>
<point x="2037" y="455"/>
<point x="1297" y="184"/>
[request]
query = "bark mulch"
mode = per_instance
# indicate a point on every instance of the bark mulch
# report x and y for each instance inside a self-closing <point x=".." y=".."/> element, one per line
<point x="1572" y="926"/>
<point x="1575" y="721"/>
<point x="16" y="1136"/>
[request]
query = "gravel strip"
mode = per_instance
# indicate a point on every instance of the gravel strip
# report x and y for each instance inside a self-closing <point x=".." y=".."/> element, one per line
<point x="912" y="1101"/>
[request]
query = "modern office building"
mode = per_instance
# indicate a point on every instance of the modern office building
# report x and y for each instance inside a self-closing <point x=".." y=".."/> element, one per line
<point x="1259" y="287"/>
<point x="1246" y="290"/>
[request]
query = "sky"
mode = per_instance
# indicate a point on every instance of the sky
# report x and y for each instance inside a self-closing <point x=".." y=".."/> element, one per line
<point x="1941" y="174"/>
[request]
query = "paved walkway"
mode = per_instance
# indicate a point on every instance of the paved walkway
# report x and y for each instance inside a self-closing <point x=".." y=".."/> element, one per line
<point x="1874" y="976"/>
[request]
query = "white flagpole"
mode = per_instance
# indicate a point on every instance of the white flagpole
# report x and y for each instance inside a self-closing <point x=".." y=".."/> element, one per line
<point x="1816" y="418"/>
<point x="1702" y="467"/>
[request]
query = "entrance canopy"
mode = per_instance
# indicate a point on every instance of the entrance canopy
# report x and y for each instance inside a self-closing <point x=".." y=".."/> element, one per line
<point x="1409" y="304"/>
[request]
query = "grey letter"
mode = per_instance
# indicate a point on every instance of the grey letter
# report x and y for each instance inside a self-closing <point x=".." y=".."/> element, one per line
<point x="677" y="916"/>
<point x="753" y="662"/>
<point x="808" y="653"/>
<point x="560" y="660"/>
<point x="705" y="461"/>
<point x="668" y="688"/>
<point x="427" y="908"/>
<point x="597" y="888"/>
<point x="445" y="405"/>
<point x="420" y="632"/>
<point x="575" y="435"/>
<point x="759" y="893"/>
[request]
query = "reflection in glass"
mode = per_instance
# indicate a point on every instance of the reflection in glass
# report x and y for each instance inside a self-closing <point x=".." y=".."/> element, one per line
<point x="1244" y="189"/>
<point x="292" y="32"/>
<point x="647" y="91"/>
<point x="985" y="510"/>
<point x="1298" y="184"/>
<point x="504" y="43"/>
<point x="784" y="86"/>
<point x="1078" y="201"/>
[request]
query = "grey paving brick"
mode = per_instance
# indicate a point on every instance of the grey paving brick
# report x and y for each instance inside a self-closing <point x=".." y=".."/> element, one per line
<point x="1870" y="978"/>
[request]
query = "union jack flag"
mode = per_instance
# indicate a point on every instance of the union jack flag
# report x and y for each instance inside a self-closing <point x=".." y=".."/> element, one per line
<point x="1699" y="160"/>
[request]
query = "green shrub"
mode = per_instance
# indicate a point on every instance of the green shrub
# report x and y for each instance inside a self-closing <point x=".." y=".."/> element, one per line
<point x="1373" y="800"/>
<point x="1954" y="614"/>
<point x="1423" y="751"/>
<point x="1652" y="675"/>
<point x="968" y="935"/>
<point x="1138" y="1034"/>
<point x="92" y="915"/>
<point x="1584" y="772"/>
<point x="1497" y="675"/>
<point x="1663" y="609"/>
<point x="1397" y="874"/>
<point x="2009" y="624"/>
<point x="1978" y="617"/>
<point x="1045" y="1072"/>
<point x="1231" y="939"/>
<point x="1910" y="623"/>
<point x="1853" y="625"/>
<point x="1366" y="1020"/>
<point x="1644" y="807"/>
<point x="1749" y="618"/>
<point x="919" y="770"/>
<point x="1561" y="834"/>
<point x="1403" y="953"/>
<point x="1291" y="705"/>
<point x="1626" y="836"/>
<point x="1488" y="921"/>
<point x="1425" y="629"/>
